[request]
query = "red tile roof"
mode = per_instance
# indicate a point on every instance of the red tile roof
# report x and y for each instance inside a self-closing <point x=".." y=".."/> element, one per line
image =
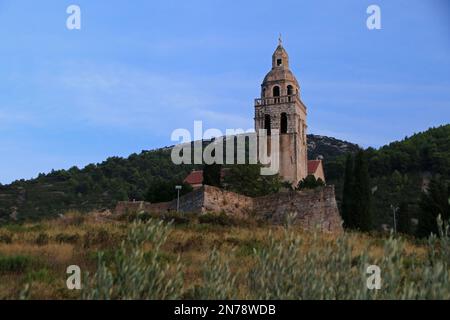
<point x="313" y="165"/>
<point x="195" y="177"/>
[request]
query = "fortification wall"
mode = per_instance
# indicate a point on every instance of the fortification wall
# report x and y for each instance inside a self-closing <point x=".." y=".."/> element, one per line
<point x="219" y="200"/>
<point x="191" y="202"/>
<point x="311" y="208"/>
<point x="124" y="207"/>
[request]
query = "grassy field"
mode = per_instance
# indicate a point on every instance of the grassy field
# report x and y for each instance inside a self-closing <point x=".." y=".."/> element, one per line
<point x="212" y="257"/>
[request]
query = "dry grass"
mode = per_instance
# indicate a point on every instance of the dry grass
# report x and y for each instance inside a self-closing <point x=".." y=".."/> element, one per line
<point x="192" y="242"/>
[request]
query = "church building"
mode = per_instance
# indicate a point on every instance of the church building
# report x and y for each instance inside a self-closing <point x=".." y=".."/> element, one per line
<point x="281" y="108"/>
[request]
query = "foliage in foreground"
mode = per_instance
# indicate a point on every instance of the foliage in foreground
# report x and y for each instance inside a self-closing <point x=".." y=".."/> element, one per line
<point x="327" y="270"/>
<point x="135" y="274"/>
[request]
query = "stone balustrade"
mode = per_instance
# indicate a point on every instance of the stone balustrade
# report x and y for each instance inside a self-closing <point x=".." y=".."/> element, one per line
<point x="276" y="100"/>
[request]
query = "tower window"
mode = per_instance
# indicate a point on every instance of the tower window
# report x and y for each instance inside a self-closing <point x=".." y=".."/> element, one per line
<point x="290" y="90"/>
<point x="267" y="123"/>
<point x="264" y="92"/>
<point x="284" y="123"/>
<point x="276" y="91"/>
<point x="279" y="62"/>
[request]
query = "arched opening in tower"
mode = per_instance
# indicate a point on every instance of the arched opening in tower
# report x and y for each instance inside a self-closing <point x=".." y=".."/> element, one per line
<point x="284" y="124"/>
<point x="267" y="123"/>
<point x="290" y="90"/>
<point x="276" y="91"/>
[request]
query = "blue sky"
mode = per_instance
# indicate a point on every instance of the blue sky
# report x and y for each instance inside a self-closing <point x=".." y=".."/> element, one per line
<point x="137" y="70"/>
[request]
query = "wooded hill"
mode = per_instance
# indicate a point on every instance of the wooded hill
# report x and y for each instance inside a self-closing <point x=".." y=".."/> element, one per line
<point x="399" y="173"/>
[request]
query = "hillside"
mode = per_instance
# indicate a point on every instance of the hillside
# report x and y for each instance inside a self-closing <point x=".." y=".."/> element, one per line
<point x="399" y="172"/>
<point x="328" y="147"/>
<point x="99" y="186"/>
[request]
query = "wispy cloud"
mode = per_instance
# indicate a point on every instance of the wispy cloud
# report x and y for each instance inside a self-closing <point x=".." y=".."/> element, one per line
<point x="124" y="97"/>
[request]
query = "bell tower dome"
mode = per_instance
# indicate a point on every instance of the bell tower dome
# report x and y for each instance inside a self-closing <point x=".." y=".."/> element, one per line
<point x="280" y="108"/>
<point x="280" y="57"/>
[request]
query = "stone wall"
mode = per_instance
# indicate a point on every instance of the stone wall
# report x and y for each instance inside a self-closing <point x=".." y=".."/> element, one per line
<point x="311" y="208"/>
<point x="124" y="207"/>
<point x="191" y="202"/>
<point x="219" y="200"/>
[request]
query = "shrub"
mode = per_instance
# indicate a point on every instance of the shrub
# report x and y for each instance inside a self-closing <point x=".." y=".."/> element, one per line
<point x="247" y="247"/>
<point x="67" y="238"/>
<point x="41" y="275"/>
<point x="173" y="217"/>
<point x="135" y="274"/>
<point x="101" y="237"/>
<point x="74" y="218"/>
<point x="6" y="238"/>
<point x="310" y="182"/>
<point x="139" y="269"/>
<point x="217" y="219"/>
<point x="195" y="242"/>
<point x="137" y="216"/>
<point x="16" y="263"/>
<point x="218" y="281"/>
<point x="42" y="239"/>
<point x="15" y="227"/>
<point x="176" y="218"/>
<point x="330" y="271"/>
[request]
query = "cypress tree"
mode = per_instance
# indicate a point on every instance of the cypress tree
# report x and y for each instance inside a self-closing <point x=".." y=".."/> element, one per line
<point x="212" y="174"/>
<point x="403" y="218"/>
<point x="346" y="207"/>
<point x="361" y="195"/>
<point x="434" y="202"/>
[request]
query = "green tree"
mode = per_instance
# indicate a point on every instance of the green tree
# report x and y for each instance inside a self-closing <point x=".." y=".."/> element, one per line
<point x="404" y="218"/>
<point x="361" y="194"/>
<point x="347" y="207"/>
<point x="161" y="190"/>
<point x="247" y="179"/>
<point x="310" y="182"/>
<point x="212" y="174"/>
<point x="434" y="202"/>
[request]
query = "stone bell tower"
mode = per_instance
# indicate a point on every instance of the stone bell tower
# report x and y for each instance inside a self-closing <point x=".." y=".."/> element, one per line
<point x="280" y="108"/>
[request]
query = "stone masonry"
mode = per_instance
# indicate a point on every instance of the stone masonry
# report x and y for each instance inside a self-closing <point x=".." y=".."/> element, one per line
<point x="281" y="108"/>
<point x="312" y="208"/>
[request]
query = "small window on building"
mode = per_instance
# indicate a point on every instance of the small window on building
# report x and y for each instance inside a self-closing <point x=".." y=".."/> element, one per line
<point x="267" y="123"/>
<point x="284" y="124"/>
<point x="279" y="62"/>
